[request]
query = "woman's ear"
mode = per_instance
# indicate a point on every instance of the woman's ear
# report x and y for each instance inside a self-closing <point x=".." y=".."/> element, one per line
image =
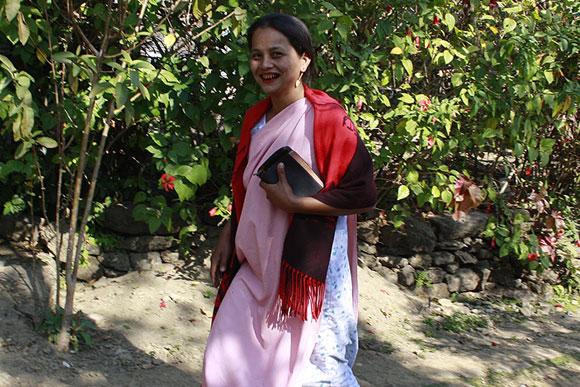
<point x="305" y="63"/>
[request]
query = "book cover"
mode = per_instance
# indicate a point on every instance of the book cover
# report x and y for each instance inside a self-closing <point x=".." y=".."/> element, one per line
<point x="301" y="177"/>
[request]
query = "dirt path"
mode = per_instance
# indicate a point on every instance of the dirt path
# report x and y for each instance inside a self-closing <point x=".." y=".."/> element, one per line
<point x="152" y="328"/>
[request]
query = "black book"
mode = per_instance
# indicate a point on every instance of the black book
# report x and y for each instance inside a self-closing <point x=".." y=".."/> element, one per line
<point x="301" y="177"/>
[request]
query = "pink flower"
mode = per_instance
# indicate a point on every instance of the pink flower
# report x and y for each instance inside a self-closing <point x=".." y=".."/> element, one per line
<point x="162" y="304"/>
<point x="417" y="42"/>
<point x="424" y="104"/>
<point x="229" y="208"/>
<point x="492" y="4"/>
<point x="167" y="182"/>
<point x="548" y="246"/>
<point x="430" y="142"/>
<point x="213" y="212"/>
<point x="359" y="104"/>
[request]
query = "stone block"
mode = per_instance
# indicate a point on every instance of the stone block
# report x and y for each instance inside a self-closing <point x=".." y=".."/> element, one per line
<point x="416" y="236"/>
<point x="451" y="245"/>
<point x="91" y="270"/>
<point x="465" y="258"/>
<point x="406" y="276"/>
<point x="143" y="244"/>
<point x="471" y="225"/>
<point x="438" y="291"/>
<point x="169" y="256"/>
<point x="393" y="262"/>
<point x="420" y="261"/>
<point x="469" y="279"/>
<point x="368" y="231"/>
<point x="145" y="261"/>
<point x="453" y="283"/>
<point x="118" y="261"/>
<point x="442" y="258"/>
<point x="436" y="275"/>
<point x="367" y="248"/>
<point x="452" y="268"/>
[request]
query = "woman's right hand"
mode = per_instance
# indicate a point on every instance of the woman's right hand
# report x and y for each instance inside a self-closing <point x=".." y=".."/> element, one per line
<point x="221" y="255"/>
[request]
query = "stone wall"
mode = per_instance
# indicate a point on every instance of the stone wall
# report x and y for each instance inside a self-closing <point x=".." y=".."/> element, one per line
<point x="443" y="255"/>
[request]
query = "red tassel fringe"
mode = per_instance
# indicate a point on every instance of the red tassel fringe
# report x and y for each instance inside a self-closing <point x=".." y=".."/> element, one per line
<point x="298" y="291"/>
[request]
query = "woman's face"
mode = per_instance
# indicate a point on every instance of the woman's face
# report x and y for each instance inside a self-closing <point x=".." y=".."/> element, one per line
<point x="275" y="64"/>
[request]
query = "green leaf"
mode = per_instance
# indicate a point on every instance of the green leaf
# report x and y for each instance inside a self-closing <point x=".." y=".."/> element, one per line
<point x="7" y="64"/>
<point x="27" y="122"/>
<point x="435" y="191"/>
<point x="449" y="21"/>
<point x="407" y="98"/>
<point x="509" y="25"/>
<point x="549" y="75"/>
<point x="11" y="9"/>
<point x="447" y="56"/>
<point x="63" y="57"/>
<point x="403" y="192"/>
<point x="396" y="51"/>
<point x="47" y="142"/>
<point x="169" y="40"/>
<point x="183" y="190"/>
<point x="413" y="176"/>
<point x="121" y="94"/>
<point x="22" y="149"/>
<point x="447" y="196"/>
<point x="23" y="32"/>
<point x="204" y="60"/>
<point x="410" y="127"/>
<point x="408" y="65"/>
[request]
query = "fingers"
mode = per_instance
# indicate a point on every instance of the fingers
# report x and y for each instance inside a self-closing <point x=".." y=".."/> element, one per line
<point x="282" y="173"/>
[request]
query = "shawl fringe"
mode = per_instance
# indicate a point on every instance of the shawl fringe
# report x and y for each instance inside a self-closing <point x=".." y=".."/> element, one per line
<point x="299" y="293"/>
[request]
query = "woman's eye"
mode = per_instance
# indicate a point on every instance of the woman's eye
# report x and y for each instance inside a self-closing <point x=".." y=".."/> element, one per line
<point x="276" y="55"/>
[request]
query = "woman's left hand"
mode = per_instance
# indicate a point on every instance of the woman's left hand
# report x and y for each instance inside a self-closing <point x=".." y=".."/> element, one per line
<point x="281" y="194"/>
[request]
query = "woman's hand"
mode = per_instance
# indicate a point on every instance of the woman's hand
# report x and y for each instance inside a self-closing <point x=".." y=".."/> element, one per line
<point x="281" y="194"/>
<point x="221" y="255"/>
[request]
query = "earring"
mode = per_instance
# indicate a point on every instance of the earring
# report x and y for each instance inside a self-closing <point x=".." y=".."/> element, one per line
<point x="299" y="80"/>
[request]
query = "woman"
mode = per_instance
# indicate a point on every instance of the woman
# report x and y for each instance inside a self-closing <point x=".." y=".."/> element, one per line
<point x="286" y="265"/>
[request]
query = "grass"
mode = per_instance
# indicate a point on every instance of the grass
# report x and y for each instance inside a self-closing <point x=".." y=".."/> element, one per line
<point x="460" y="322"/>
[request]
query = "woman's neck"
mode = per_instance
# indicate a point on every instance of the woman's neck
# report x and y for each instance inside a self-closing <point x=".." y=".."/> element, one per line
<point x="279" y="103"/>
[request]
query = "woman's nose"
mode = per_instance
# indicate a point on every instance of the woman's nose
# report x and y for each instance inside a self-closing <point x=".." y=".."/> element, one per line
<point x="266" y="62"/>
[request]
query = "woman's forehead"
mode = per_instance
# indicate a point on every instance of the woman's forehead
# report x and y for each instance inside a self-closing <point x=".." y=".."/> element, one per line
<point x="268" y="39"/>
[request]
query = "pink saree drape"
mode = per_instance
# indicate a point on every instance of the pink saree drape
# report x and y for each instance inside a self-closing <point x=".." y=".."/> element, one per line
<point x="248" y="344"/>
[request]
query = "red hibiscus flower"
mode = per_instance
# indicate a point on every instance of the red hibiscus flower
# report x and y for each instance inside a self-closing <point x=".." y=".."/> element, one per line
<point x="492" y="4"/>
<point x="167" y="182"/>
<point x="436" y="20"/>
<point x="389" y="8"/>
<point x="493" y="243"/>
<point x="409" y="31"/>
<point x="528" y="171"/>
<point x="532" y="257"/>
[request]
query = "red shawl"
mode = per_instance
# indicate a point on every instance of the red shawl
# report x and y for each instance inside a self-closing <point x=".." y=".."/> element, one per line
<point x="346" y="169"/>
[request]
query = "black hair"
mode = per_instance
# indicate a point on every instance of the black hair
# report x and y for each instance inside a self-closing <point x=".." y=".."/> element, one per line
<point x="294" y="30"/>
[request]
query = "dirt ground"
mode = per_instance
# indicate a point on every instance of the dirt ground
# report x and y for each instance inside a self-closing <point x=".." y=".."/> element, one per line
<point x="152" y="327"/>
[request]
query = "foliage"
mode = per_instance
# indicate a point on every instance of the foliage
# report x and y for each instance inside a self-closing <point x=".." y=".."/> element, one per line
<point x="460" y="322"/>
<point x="422" y="280"/>
<point x="81" y="331"/>
<point x="449" y="96"/>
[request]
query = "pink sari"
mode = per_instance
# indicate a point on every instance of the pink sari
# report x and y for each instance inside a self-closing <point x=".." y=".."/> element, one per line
<point x="248" y="345"/>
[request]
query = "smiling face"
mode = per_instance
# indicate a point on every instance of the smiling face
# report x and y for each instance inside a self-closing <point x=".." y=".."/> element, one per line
<point x="275" y="64"/>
